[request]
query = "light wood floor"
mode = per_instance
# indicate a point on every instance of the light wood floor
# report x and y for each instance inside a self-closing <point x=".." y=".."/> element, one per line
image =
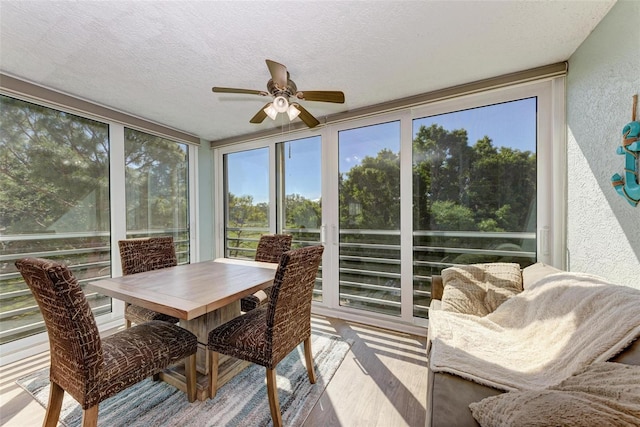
<point x="381" y="382"/>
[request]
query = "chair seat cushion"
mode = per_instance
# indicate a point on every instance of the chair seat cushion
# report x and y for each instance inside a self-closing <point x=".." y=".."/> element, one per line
<point x="137" y="315"/>
<point x="138" y="352"/>
<point x="244" y="337"/>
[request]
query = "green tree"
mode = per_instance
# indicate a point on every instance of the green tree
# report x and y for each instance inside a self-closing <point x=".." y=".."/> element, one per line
<point x="502" y="184"/>
<point x="370" y="193"/>
<point x="242" y="219"/>
<point x="447" y="215"/>
<point x="55" y="173"/>
<point x="52" y="163"/>
<point x="302" y="212"/>
<point x="157" y="182"/>
<point x="440" y="170"/>
<point x="496" y="185"/>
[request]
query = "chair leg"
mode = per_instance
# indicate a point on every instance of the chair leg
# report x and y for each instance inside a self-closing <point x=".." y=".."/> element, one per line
<point x="308" y="357"/>
<point x="55" y="404"/>
<point x="90" y="417"/>
<point x="190" y="373"/>
<point x="274" y="402"/>
<point x="127" y="322"/>
<point x="213" y="373"/>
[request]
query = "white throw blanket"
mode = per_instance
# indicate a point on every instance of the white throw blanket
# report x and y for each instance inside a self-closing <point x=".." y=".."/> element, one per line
<point x="551" y="330"/>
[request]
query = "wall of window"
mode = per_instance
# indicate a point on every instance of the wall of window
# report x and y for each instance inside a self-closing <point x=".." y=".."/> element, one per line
<point x="477" y="178"/>
<point x="369" y="218"/>
<point x="157" y="189"/>
<point x="250" y="182"/>
<point x="246" y="201"/>
<point x="71" y="186"/>
<point x="54" y="203"/>
<point x="299" y="194"/>
<point x="474" y="190"/>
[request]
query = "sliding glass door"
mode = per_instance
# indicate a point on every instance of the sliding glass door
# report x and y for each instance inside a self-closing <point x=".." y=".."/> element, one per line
<point x="474" y="190"/>
<point x="157" y="189"/>
<point x="369" y="218"/>
<point x="246" y="179"/>
<point x="299" y="194"/>
<point x="398" y="197"/>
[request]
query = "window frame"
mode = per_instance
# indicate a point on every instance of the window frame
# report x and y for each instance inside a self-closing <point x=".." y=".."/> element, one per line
<point x="18" y="349"/>
<point x="550" y="188"/>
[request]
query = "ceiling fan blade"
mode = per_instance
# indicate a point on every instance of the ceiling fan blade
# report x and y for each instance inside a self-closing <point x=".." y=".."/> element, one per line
<point x="278" y="73"/>
<point x="322" y="95"/>
<point x="260" y="115"/>
<point x="306" y="116"/>
<point x="235" y="90"/>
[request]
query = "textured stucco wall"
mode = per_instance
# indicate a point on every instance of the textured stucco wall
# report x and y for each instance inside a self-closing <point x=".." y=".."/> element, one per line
<point x="603" y="229"/>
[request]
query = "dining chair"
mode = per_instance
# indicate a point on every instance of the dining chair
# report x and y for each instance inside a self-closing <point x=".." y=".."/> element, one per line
<point x="87" y="367"/>
<point x="146" y="254"/>
<point x="270" y="249"/>
<point x="267" y="334"/>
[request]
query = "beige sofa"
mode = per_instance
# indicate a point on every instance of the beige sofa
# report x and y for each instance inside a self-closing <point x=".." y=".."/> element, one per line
<point x="449" y="395"/>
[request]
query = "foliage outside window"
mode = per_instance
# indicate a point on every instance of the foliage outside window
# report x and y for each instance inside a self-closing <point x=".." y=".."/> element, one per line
<point x="247" y="201"/>
<point x="157" y="190"/>
<point x="54" y="203"/>
<point x="473" y="201"/>
<point x="369" y="204"/>
<point x="299" y="178"/>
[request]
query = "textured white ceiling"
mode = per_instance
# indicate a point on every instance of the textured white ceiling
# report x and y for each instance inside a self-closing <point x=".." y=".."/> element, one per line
<point x="158" y="60"/>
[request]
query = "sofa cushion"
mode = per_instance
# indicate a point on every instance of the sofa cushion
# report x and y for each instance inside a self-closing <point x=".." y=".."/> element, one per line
<point x="603" y="392"/>
<point x="535" y="272"/>
<point x="478" y="289"/>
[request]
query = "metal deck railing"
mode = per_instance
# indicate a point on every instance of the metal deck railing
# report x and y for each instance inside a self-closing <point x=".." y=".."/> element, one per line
<point x="369" y="267"/>
<point x="369" y="260"/>
<point x="88" y="256"/>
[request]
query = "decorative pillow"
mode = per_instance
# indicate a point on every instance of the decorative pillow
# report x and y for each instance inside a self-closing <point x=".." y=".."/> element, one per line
<point x="479" y="289"/>
<point x="604" y="394"/>
<point x="496" y="296"/>
<point x="464" y="297"/>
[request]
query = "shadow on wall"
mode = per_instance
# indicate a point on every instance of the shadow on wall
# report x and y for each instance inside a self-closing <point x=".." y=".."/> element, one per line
<point x="604" y="234"/>
<point x="601" y="163"/>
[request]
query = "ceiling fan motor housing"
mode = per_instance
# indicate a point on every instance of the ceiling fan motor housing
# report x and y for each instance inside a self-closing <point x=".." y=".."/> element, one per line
<point x="281" y="87"/>
<point x="288" y="91"/>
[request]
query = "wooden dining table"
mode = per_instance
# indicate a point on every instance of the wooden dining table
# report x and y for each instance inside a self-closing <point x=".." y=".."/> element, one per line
<point x="202" y="295"/>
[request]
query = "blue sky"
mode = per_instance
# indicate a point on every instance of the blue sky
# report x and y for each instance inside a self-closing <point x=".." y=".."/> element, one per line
<point x="511" y="124"/>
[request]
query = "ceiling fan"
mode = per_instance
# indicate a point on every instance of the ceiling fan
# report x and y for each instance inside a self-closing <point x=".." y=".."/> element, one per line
<point x="281" y="88"/>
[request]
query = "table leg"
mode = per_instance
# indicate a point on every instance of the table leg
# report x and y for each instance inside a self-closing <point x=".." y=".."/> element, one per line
<point x="227" y="367"/>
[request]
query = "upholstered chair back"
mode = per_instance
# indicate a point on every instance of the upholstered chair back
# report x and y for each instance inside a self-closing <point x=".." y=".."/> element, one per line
<point x="74" y="340"/>
<point x="272" y="246"/>
<point x="289" y="309"/>
<point x="146" y="254"/>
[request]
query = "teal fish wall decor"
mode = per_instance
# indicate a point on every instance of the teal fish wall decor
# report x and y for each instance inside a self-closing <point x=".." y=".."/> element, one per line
<point x="629" y="186"/>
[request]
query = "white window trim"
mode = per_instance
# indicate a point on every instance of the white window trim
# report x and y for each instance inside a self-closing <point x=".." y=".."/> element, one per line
<point x="551" y="156"/>
<point x="551" y="188"/>
<point x="21" y="348"/>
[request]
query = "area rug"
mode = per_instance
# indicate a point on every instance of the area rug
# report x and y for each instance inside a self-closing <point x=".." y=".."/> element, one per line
<point x="241" y="402"/>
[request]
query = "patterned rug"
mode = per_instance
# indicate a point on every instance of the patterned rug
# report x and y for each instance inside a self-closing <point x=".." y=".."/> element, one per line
<point x="241" y="402"/>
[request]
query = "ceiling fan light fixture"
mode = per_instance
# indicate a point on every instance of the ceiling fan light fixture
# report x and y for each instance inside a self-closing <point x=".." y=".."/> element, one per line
<point x="280" y="104"/>
<point x="271" y="111"/>
<point x="292" y="112"/>
<point x="282" y="89"/>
